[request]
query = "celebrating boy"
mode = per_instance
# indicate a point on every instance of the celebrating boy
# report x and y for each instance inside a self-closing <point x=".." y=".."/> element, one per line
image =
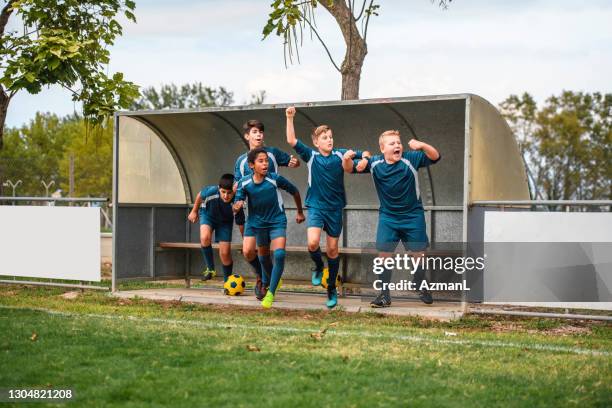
<point x="266" y="215"/>
<point x="401" y="215"/>
<point x="325" y="198"/>
<point x="253" y="132"/>
<point x="213" y="206"/>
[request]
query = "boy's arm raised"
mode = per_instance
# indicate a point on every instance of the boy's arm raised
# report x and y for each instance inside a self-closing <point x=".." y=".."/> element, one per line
<point x="430" y="151"/>
<point x="290" y="114"/>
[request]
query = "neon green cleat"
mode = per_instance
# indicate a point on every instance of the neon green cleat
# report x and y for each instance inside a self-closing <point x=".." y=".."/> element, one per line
<point x="266" y="303"/>
<point x="280" y="283"/>
<point x="208" y="274"/>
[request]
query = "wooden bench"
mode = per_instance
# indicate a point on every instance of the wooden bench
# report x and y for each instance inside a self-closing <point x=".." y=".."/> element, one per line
<point x="343" y="251"/>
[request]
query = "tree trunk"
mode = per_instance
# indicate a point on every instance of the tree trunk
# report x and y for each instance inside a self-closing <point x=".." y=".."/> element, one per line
<point x="350" y="85"/>
<point x="4" y="103"/>
<point x="356" y="48"/>
<point x="6" y="12"/>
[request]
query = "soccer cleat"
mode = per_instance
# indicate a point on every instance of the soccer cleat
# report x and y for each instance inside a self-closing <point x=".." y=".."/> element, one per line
<point x="266" y="303"/>
<point x="316" y="277"/>
<point x="259" y="292"/>
<point x="208" y="274"/>
<point x="425" y="296"/>
<point x="382" y="300"/>
<point x="332" y="298"/>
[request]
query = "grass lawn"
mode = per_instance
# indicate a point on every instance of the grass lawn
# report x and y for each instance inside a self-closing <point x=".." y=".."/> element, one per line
<point x="117" y="352"/>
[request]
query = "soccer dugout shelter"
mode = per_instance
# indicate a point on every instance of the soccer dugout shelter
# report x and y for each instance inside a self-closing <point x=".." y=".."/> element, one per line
<point x="163" y="158"/>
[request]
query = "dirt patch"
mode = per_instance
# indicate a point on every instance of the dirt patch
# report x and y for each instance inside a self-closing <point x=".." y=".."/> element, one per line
<point x="70" y="295"/>
<point x="568" y="331"/>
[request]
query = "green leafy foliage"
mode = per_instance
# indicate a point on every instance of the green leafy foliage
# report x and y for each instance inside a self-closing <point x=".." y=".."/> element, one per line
<point x="189" y="96"/>
<point x="40" y="151"/>
<point x="171" y="96"/>
<point x="566" y="143"/>
<point x="66" y="43"/>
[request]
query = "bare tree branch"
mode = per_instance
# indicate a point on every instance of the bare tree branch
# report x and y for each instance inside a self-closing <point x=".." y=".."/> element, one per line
<point x="367" y="21"/>
<point x="362" y="10"/>
<point x="322" y="43"/>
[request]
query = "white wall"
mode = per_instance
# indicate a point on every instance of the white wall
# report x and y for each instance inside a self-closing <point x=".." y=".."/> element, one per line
<point x="50" y="242"/>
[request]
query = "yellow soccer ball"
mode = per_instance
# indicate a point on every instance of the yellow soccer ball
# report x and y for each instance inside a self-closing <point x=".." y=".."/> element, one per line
<point x="325" y="278"/>
<point x="234" y="285"/>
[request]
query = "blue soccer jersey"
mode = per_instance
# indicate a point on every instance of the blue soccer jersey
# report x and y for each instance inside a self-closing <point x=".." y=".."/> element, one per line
<point x="325" y="177"/>
<point x="276" y="158"/>
<point x="397" y="184"/>
<point x="217" y="210"/>
<point x="264" y="200"/>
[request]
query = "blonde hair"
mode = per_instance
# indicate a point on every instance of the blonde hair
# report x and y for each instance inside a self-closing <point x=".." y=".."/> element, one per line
<point x="387" y="133"/>
<point x="318" y="131"/>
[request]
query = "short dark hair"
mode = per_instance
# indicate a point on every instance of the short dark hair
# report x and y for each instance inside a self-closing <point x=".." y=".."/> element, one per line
<point x="254" y="153"/>
<point x="227" y="181"/>
<point x="253" y="123"/>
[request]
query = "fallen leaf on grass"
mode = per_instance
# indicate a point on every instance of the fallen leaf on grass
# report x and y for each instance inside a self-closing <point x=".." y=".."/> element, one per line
<point x="318" y="335"/>
<point x="34" y="337"/>
<point x="252" y="348"/>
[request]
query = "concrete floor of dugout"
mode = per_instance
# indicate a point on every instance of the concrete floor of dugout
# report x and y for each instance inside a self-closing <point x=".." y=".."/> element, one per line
<point x="298" y="301"/>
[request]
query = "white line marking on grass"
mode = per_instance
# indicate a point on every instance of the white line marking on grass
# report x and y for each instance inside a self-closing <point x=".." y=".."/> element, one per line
<point x="290" y="329"/>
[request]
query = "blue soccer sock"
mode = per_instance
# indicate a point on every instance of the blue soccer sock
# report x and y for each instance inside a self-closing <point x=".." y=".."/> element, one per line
<point x="277" y="270"/>
<point x="209" y="260"/>
<point x="227" y="271"/>
<point x="334" y="265"/>
<point x="266" y="268"/>
<point x="317" y="259"/>
<point x="256" y="266"/>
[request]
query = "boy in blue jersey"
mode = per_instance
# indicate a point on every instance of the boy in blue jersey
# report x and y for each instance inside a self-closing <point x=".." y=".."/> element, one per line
<point x="401" y="215"/>
<point x="266" y="214"/>
<point x="325" y="198"/>
<point x="253" y="132"/>
<point x="213" y="207"/>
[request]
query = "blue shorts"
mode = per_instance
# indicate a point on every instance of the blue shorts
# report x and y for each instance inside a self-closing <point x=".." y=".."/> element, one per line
<point x="329" y="220"/>
<point x="263" y="236"/>
<point x="410" y="229"/>
<point x="223" y="231"/>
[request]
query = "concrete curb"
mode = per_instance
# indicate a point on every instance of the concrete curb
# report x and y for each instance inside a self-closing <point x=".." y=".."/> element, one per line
<point x="443" y="312"/>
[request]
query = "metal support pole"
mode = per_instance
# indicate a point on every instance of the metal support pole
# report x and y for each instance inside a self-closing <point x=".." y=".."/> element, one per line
<point x="115" y="199"/>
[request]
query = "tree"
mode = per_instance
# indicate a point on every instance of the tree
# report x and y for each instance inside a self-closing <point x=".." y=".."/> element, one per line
<point x="33" y="152"/>
<point x="92" y="157"/>
<point x="566" y="144"/>
<point x="41" y="151"/>
<point x="289" y="18"/>
<point x="170" y="96"/>
<point x="188" y="96"/>
<point x="64" y="43"/>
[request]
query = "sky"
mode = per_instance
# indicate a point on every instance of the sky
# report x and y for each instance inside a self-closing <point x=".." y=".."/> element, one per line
<point x="490" y="48"/>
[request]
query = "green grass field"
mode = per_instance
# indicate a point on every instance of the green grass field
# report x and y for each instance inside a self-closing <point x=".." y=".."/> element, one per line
<point x="139" y="353"/>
